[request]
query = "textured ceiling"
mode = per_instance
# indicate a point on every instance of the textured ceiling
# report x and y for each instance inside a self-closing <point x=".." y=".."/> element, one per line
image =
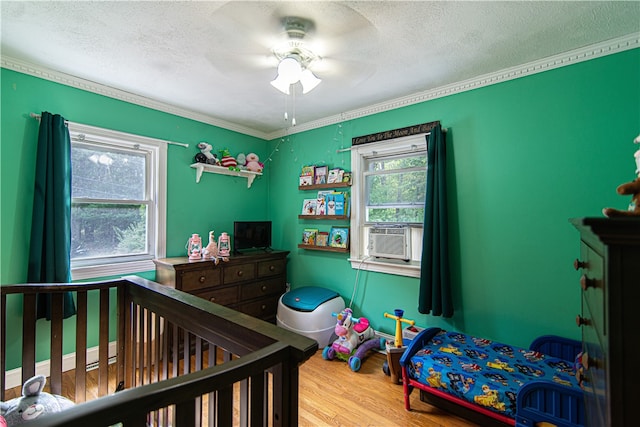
<point x="213" y="58"/>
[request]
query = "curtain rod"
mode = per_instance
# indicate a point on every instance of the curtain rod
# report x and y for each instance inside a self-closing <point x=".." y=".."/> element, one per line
<point x="66" y="122"/>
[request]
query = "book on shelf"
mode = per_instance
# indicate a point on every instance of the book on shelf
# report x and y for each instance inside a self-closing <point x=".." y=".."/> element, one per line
<point x="322" y="238"/>
<point x="339" y="237"/>
<point x="309" y="236"/>
<point x="321" y="174"/>
<point x="337" y="203"/>
<point x="321" y="202"/>
<point x="309" y="206"/>
<point x="346" y="177"/>
<point x="321" y="206"/>
<point x="335" y="176"/>
<point x="307" y="175"/>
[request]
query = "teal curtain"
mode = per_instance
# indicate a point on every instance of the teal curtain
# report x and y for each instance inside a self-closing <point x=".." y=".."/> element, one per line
<point x="435" y="287"/>
<point x="49" y="252"/>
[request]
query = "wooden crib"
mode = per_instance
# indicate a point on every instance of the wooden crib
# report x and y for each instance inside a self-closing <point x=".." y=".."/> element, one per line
<point x="182" y="360"/>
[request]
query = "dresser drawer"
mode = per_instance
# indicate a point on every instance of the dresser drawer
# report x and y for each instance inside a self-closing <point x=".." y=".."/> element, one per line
<point x="239" y="273"/>
<point x="193" y="280"/>
<point x="262" y="288"/>
<point x="222" y="296"/>
<point x="593" y="288"/>
<point x="272" y="267"/>
<point x="264" y="308"/>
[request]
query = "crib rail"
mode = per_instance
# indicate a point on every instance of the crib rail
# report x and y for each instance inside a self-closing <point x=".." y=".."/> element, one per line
<point x="182" y="360"/>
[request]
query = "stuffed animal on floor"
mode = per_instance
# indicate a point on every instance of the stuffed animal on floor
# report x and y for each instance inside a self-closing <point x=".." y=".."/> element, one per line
<point x="632" y="188"/>
<point x="33" y="404"/>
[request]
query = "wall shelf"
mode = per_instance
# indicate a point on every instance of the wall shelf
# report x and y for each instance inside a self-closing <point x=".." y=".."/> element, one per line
<point x="333" y="217"/>
<point x="202" y="167"/>
<point x="324" y="186"/>
<point x="323" y="248"/>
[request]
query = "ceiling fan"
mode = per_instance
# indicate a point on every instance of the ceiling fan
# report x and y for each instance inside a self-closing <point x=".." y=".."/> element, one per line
<point x="295" y="57"/>
<point x="249" y="41"/>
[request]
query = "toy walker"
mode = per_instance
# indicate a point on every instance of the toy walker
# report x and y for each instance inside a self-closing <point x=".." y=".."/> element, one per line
<point x="355" y="338"/>
<point x="394" y="353"/>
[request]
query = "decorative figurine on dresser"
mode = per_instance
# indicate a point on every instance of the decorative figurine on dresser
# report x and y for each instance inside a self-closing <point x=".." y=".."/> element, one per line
<point x="250" y="283"/>
<point x="632" y="188"/>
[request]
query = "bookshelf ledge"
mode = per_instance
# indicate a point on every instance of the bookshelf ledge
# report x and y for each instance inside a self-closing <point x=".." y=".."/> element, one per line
<point x="324" y="186"/>
<point x="322" y="248"/>
<point x="202" y="167"/>
<point x="302" y="216"/>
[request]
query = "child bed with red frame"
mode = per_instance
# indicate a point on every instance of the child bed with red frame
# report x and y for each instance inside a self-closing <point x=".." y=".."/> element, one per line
<point x="494" y="383"/>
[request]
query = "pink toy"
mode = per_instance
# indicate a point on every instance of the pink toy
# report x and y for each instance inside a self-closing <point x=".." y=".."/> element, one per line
<point x="355" y="338"/>
<point x="194" y="247"/>
<point x="253" y="163"/>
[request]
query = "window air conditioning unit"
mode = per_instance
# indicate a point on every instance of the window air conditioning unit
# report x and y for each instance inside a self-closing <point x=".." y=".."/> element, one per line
<point x="390" y="242"/>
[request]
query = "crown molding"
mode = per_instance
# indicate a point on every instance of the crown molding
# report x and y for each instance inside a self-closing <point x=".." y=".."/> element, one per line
<point x="609" y="47"/>
<point x="89" y="86"/>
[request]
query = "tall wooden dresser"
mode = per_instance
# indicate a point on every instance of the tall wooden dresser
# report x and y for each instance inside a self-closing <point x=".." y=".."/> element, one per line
<point x="250" y="283"/>
<point x="609" y="266"/>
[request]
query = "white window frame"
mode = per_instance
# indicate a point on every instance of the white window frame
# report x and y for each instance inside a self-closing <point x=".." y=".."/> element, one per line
<point x="359" y="240"/>
<point x="157" y="187"/>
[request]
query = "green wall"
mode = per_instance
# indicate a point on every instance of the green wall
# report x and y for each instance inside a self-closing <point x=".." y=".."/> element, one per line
<point x="524" y="157"/>
<point x="213" y="204"/>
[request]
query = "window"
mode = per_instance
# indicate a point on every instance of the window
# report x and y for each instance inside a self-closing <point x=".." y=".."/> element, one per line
<point x="117" y="202"/>
<point x="389" y="188"/>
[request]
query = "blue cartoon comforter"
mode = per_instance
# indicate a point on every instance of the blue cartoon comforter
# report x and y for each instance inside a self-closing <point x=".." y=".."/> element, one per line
<point x="484" y="372"/>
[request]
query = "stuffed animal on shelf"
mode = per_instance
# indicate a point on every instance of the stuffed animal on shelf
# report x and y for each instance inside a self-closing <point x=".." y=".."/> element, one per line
<point x="33" y="404"/>
<point x="253" y="163"/>
<point x="205" y="155"/>
<point x="632" y="188"/>
<point x="241" y="158"/>
<point x="227" y="160"/>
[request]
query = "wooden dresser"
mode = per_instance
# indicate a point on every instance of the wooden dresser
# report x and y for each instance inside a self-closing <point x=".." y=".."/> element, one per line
<point x="609" y="266"/>
<point x="250" y="283"/>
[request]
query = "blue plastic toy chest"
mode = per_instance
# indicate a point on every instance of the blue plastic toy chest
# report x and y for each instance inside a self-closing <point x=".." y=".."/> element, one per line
<point x="307" y="311"/>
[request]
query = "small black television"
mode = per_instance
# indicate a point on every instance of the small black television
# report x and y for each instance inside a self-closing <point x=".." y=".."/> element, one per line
<point x="251" y="235"/>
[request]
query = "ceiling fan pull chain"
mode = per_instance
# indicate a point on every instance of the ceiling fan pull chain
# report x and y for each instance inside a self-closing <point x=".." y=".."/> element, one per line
<point x="293" y="110"/>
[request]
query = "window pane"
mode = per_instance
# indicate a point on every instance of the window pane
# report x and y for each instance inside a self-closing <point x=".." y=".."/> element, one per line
<point x="104" y="173"/>
<point x="395" y="189"/>
<point x="395" y="215"/>
<point x="393" y="163"/>
<point x="101" y="230"/>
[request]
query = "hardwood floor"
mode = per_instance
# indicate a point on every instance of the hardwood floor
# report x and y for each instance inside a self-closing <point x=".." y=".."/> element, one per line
<point x="331" y="394"/>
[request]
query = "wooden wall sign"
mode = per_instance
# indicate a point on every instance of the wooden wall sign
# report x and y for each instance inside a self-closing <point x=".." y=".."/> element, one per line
<point x="396" y="133"/>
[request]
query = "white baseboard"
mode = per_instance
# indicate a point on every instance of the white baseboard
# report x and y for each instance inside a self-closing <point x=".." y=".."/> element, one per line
<point x="14" y="376"/>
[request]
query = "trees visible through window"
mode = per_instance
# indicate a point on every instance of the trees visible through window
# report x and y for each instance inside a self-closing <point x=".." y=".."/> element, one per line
<point x="117" y="187"/>
<point x="389" y="190"/>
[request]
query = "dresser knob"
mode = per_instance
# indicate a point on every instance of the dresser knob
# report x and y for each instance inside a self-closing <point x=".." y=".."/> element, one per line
<point x="212" y="299"/>
<point x="577" y="264"/>
<point x="240" y="273"/>
<point x="201" y="279"/>
<point x="582" y="321"/>
<point x="272" y="268"/>
<point x="586" y="283"/>
<point x="263" y="307"/>
<point x="590" y="362"/>
<point x="264" y="288"/>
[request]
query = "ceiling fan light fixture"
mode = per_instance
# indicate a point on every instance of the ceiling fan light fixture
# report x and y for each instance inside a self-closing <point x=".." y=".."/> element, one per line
<point x="290" y="69"/>
<point x="281" y="84"/>
<point x="309" y="81"/>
